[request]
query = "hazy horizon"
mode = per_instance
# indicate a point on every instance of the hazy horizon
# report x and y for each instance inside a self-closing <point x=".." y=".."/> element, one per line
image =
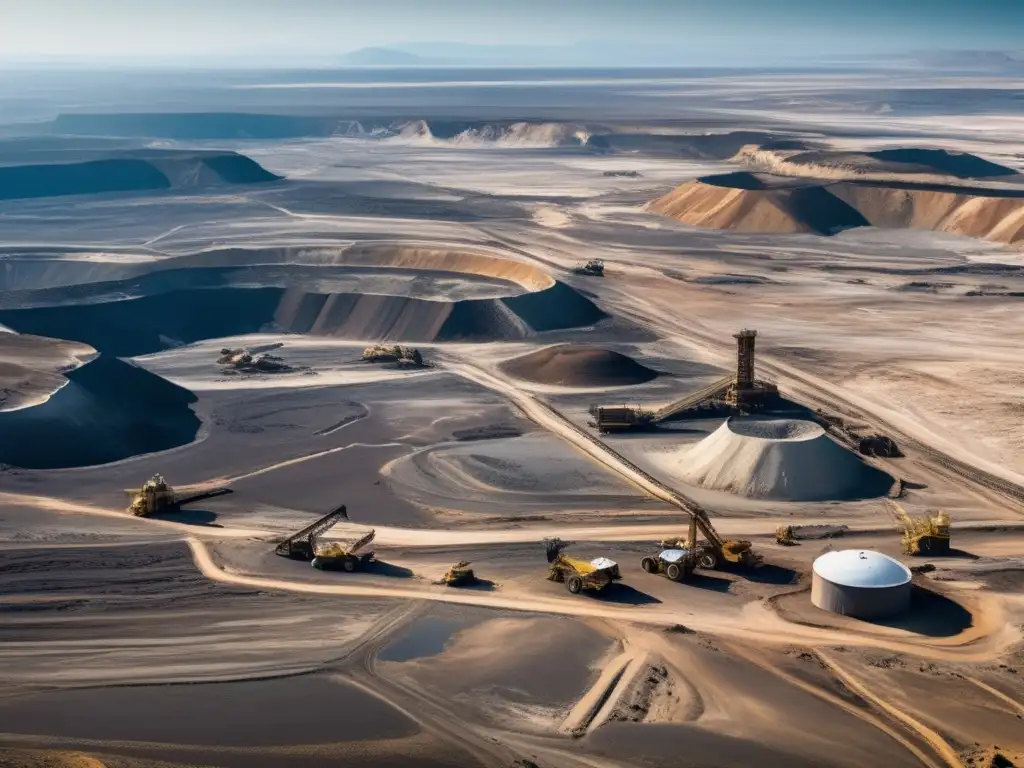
<point x="275" y="33"/>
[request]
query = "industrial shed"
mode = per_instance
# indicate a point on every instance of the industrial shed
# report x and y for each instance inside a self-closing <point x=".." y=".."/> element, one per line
<point x="861" y="583"/>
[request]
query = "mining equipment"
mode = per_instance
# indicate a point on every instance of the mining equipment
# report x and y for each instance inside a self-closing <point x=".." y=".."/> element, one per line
<point x="790" y="535"/>
<point x="924" y="534"/>
<point x="343" y="555"/>
<point x="742" y="392"/>
<point x="302" y="545"/>
<point x="747" y="392"/>
<point x="578" y="575"/>
<point x="459" y="575"/>
<point x="593" y="268"/>
<point x="677" y="564"/>
<point x="784" y="536"/>
<point x="714" y="552"/>
<point x="244" y="361"/>
<point x="157" y="496"/>
<point x="404" y="356"/>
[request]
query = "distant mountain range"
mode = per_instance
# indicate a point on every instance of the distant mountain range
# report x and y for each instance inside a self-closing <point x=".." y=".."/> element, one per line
<point x="608" y="53"/>
<point x="587" y="54"/>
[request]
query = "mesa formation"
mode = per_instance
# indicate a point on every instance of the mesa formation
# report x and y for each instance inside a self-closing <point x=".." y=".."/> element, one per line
<point x="346" y="437"/>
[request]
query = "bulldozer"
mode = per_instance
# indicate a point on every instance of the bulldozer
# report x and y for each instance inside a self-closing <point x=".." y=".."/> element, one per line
<point x="459" y="575"/>
<point x="578" y="575"/>
<point x="407" y="357"/>
<point x="924" y="534"/>
<point x="156" y="496"/>
<point x="784" y="535"/>
<point x="593" y="268"/>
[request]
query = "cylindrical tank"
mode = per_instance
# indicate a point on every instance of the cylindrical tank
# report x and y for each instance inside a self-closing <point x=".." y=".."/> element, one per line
<point x="861" y="583"/>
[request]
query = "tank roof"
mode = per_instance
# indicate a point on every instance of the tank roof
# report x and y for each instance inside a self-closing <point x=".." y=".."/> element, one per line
<point x="861" y="568"/>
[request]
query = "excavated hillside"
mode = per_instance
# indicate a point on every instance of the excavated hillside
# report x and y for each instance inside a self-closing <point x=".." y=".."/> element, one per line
<point x="129" y="171"/>
<point x="752" y="202"/>
<point x="935" y="164"/>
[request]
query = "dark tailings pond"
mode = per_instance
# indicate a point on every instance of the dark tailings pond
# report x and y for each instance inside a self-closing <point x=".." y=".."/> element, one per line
<point x="108" y="411"/>
<point x="296" y="710"/>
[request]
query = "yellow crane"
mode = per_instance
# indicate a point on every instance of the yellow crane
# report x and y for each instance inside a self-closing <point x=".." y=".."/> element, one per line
<point x="923" y="534"/>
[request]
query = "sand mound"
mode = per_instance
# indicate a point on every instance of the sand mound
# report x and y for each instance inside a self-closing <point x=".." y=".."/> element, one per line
<point x="748" y="202"/>
<point x="33" y="367"/>
<point x="573" y="366"/>
<point x="783" y="459"/>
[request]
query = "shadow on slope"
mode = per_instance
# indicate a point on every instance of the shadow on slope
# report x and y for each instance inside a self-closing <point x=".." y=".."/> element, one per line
<point x="135" y="326"/>
<point x="109" y="410"/>
<point x="130" y="171"/>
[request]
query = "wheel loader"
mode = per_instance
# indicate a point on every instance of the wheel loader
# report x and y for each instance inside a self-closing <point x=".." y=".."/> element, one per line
<point x="578" y="575"/>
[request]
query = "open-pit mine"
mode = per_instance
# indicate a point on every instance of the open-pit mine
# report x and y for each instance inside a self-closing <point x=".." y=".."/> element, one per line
<point x="378" y="432"/>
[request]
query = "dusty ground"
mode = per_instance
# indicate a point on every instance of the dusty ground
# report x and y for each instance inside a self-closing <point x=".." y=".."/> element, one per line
<point x="184" y="640"/>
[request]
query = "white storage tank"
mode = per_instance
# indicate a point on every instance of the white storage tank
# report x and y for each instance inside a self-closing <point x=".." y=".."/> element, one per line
<point x="861" y="583"/>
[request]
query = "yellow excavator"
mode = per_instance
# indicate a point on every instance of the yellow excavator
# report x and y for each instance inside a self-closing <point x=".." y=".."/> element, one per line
<point x="923" y="534"/>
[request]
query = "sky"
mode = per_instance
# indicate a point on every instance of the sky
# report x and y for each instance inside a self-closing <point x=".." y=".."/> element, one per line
<point x="686" y="31"/>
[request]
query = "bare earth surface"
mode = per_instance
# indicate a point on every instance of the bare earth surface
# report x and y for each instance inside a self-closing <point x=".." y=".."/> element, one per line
<point x="182" y="639"/>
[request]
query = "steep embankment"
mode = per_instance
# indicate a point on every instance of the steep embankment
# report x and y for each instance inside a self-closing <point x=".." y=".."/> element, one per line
<point x="109" y="410"/>
<point x="781" y="459"/>
<point x="139" y="311"/>
<point x="130" y="172"/>
<point x="748" y="202"/>
<point x="538" y="134"/>
<point x="576" y="366"/>
<point x="698" y="146"/>
<point x="898" y="162"/>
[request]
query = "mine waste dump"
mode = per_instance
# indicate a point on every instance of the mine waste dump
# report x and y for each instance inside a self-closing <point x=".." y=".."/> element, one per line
<point x="96" y="172"/>
<point x="782" y="204"/>
<point x="578" y="366"/>
<point x="782" y="459"/>
<point x="109" y="410"/>
<point x="142" y="314"/>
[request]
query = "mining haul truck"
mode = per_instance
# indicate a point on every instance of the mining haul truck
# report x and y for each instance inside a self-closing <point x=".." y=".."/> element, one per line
<point x="578" y="575"/>
<point x="715" y="552"/>
<point x="343" y="555"/>
<point x="677" y="563"/>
